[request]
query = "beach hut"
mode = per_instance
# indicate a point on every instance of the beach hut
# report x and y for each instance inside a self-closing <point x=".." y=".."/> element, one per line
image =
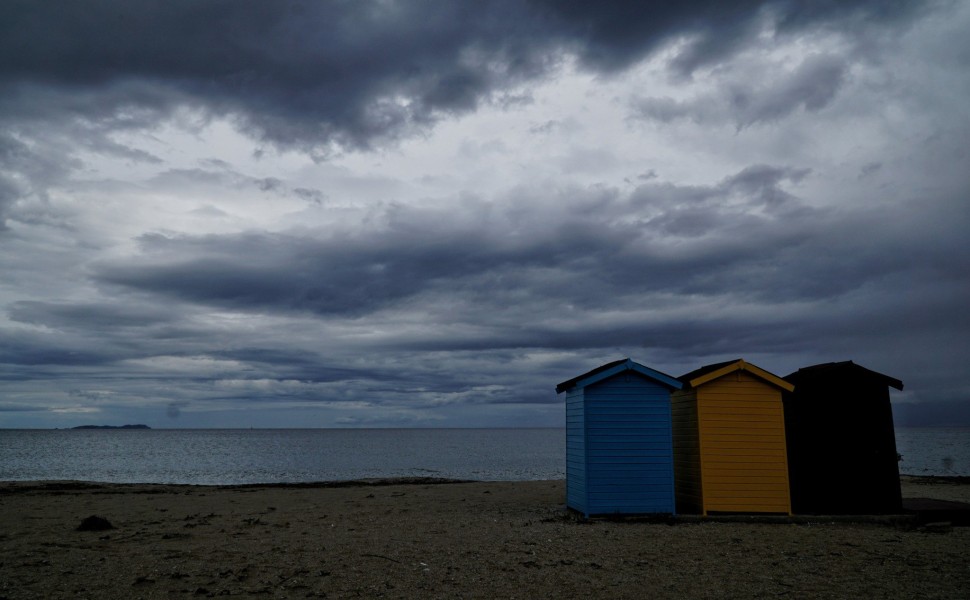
<point x="619" y="454"/>
<point x="729" y="440"/>
<point x="841" y="442"/>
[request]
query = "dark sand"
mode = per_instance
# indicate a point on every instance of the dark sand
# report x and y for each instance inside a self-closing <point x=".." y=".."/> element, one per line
<point x="461" y="540"/>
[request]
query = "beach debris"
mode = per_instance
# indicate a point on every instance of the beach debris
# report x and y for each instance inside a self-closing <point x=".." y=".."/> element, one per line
<point x="384" y="557"/>
<point x="938" y="527"/>
<point x="95" y="523"/>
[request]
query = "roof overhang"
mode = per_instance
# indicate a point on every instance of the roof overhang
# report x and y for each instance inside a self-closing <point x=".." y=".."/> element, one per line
<point x="615" y="368"/>
<point x="827" y="369"/>
<point x="741" y="365"/>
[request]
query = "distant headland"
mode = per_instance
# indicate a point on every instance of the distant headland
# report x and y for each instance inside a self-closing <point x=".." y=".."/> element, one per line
<point x="111" y="427"/>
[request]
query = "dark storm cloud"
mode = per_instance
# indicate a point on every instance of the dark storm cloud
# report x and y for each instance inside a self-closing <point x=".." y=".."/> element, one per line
<point x="98" y="316"/>
<point x="610" y="35"/>
<point x="681" y="337"/>
<point x="747" y="100"/>
<point x="355" y="73"/>
<point x="354" y="285"/>
<point x="745" y="238"/>
<point x="342" y="72"/>
<point x="690" y="272"/>
<point x="811" y="86"/>
<point x="49" y="348"/>
<point x="13" y="408"/>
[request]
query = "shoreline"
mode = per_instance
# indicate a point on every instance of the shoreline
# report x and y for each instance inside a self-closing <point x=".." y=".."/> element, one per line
<point x="430" y="539"/>
<point x="919" y="488"/>
<point x="74" y="484"/>
<point x="384" y="481"/>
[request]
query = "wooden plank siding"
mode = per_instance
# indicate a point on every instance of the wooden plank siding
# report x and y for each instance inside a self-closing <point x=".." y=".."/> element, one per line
<point x="687" y="455"/>
<point x="741" y="431"/>
<point x="576" y="451"/>
<point x="629" y="452"/>
<point x="619" y="449"/>
<point x="729" y="440"/>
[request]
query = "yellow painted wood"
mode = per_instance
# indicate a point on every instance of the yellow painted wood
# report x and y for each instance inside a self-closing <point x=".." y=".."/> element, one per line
<point x="741" y="426"/>
<point x="729" y="443"/>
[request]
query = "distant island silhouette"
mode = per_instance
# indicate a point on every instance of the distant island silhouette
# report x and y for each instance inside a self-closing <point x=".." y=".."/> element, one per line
<point x="111" y="427"/>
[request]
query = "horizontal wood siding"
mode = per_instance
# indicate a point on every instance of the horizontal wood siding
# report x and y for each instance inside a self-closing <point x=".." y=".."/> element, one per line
<point x="741" y="428"/>
<point x="687" y="465"/>
<point x="576" y="451"/>
<point x="629" y="452"/>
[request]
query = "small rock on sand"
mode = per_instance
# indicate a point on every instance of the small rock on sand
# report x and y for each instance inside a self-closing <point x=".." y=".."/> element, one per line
<point x="95" y="523"/>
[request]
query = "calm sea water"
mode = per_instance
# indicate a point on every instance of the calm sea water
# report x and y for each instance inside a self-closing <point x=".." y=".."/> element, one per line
<point x="233" y="456"/>
<point x="934" y="450"/>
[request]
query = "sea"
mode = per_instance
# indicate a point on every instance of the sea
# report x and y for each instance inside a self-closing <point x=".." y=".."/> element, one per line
<point x="242" y="456"/>
<point x="249" y="456"/>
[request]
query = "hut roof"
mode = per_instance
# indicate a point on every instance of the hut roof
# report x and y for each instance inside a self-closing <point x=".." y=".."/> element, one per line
<point x="840" y="371"/>
<point x="711" y="372"/>
<point x="614" y="368"/>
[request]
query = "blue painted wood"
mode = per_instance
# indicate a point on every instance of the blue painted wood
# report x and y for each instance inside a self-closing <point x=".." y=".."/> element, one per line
<point x="619" y="447"/>
<point x="576" y="451"/>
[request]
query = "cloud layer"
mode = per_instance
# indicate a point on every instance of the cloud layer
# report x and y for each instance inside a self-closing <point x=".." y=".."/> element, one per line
<point x="414" y="213"/>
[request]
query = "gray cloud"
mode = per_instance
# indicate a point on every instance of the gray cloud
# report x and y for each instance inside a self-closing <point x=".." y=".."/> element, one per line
<point x="88" y="315"/>
<point x="42" y="348"/>
<point x="811" y="86"/>
<point x="610" y="35"/>
<point x="334" y="279"/>
<point x="354" y="74"/>
<point x="746" y="236"/>
<point x="9" y="193"/>
<point x="746" y="101"/>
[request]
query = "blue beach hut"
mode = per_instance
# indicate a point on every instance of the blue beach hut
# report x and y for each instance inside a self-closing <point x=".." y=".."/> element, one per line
<point x="619" y="448"/>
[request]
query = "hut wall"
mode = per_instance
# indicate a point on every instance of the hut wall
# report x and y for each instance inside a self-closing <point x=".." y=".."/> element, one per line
<point x="842" y="447"/>
<point x="687" y="455"/>
<point x="576" y="451"/>
<point x="628" y="446"/>
<point x="741" y="426"/>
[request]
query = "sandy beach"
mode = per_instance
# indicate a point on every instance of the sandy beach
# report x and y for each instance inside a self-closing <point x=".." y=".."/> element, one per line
<point x="454" y="540"/>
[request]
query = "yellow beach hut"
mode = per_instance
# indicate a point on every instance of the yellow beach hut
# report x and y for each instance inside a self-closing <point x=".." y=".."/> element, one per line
<point x="729" y="440"/>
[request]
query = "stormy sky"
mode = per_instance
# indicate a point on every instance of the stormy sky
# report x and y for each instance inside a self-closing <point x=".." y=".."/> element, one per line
<point x="317" y="214"/>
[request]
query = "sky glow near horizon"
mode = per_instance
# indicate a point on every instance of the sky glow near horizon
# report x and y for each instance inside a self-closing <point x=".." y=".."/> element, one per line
<point x="234" y="214"/>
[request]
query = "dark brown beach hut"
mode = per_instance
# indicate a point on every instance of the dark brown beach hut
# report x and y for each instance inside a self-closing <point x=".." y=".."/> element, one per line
<point x="841" y="441"/>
